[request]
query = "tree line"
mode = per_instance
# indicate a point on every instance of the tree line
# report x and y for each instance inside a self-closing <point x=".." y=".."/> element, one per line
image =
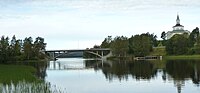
<point x="19" y="50"/>
<point x="138" y="45"/>
<point x="143" y="44"/>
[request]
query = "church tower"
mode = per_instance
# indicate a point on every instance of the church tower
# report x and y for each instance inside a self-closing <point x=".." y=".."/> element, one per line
<point x="178" y="26"/>
<point x="177" y="20"/>
<point x="177" y="29"/>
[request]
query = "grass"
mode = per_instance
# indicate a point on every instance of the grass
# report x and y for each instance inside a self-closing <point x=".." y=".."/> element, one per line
<point x="16" y="73"/>
<point x="26" y="87"/>
<point x="22" y="79"/>
<point x="158" y="51"/>
<point x="182" y="57"/>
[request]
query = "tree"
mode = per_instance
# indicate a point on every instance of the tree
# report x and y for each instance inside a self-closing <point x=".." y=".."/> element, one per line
<point x="193" y="38"/>
<point x="96" y="46"/>
<point x="140" y="45"/>
<point x="107" y="42"/>
<point x="119" y="46"/>
<point x="15" y="47"/>
<point x="38" y="46"/>
<point x="163" y="35"/>
<point x="177" y="45"/>
<point x="197" y="46"/>
<point x="27" y="46"/>
<point x="4" y="49"/>
<point x="153" y="39"/>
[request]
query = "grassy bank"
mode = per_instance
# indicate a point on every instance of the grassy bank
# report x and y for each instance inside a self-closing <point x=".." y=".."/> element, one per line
<point x="158" y="51"/>
<point x="16" y="73"/>
<point x="182" y="57"/>
<point x="22" y="79"/>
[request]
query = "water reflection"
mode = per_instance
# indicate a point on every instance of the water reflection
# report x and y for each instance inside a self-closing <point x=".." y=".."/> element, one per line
<point x="181" y="70"/>
<point x="178" y="72"/>
<point x="121" y="70"/>
<point x="40" y="67"/>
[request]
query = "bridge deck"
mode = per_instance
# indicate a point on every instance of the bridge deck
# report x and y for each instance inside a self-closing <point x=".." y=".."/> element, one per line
<point x="80" y="50"/>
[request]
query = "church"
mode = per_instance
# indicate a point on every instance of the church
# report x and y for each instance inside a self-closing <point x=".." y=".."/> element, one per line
<point x="177" y="29"/>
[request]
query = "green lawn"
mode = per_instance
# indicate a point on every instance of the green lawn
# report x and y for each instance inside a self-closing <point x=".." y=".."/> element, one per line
<point x="183" y="57"/>
<point x="160" y="51"/>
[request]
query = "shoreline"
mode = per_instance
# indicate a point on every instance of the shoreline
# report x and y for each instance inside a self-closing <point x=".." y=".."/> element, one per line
<point x="165" y="57"/>
<point x="181" y="57"/>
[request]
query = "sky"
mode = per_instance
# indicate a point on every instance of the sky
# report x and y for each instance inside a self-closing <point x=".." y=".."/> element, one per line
<point x="80" y="24"/>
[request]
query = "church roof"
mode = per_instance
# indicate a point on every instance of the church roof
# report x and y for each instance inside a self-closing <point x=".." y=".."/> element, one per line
<point x="179" y="31"/>
<point x="178" y="25"/>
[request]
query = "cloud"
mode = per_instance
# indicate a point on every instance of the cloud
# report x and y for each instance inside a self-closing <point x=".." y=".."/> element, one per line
<point x="86" y="20"/>
<point x="95" y="5"/>
<point x="21" y="9"/>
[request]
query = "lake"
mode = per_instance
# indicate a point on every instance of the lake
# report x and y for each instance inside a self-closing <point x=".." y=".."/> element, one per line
<point x="77" y="75"/>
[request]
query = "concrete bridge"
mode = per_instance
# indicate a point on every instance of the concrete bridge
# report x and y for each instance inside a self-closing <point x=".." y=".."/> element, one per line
<point x="100" y="52"/>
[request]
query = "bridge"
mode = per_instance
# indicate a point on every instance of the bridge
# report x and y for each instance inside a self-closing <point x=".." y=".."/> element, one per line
<point x="100" y="52"/>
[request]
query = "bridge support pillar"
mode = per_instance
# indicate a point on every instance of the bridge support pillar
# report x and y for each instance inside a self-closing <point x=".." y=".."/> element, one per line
<point x="97" y="53"/>
<point x="53" y="55"/>
<point x="101" y="54"/>
<point x="102" y="63"/>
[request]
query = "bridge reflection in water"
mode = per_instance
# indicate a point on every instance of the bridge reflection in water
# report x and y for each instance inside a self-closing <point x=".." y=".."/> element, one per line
<point x="82" y="65"/>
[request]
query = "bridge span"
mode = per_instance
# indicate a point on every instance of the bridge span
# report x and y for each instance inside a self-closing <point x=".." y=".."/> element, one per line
<point x="100" y="52"/>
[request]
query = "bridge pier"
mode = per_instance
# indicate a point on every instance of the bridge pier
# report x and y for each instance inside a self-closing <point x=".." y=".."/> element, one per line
<point x="101" y="54"/>
<point x="53" y="55"/>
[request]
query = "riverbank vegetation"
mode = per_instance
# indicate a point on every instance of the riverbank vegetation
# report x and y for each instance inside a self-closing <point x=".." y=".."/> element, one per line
<point x="146" y="44"/>
<point x="19" y="50"/>
<point x="27" y="87"/>
<point x="15" y="73"/>
<point x="182" y="57"/>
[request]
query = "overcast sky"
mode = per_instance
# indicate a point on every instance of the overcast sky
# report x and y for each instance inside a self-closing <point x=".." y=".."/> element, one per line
<point x="73" y="24"/>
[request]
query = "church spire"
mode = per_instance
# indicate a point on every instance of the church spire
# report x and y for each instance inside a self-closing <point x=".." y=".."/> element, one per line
<point x="177" y="20"/>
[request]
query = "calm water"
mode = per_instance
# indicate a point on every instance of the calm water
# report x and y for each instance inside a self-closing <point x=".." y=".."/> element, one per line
<point x="76" y="75"/>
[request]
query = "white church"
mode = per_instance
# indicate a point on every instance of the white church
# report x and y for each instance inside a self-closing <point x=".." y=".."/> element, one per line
<point x="177" y="29"/>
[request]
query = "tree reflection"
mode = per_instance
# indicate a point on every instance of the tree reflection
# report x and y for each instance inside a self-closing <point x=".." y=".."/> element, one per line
<point x="122" y="70"/>
<point x="142" y="70"/>
<point x="177" y="70"/>
<point x="196" y="74"/>
<point x="40" y="67"/>
<point x="182" y="70"/>
<point x="119" y="70"/>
